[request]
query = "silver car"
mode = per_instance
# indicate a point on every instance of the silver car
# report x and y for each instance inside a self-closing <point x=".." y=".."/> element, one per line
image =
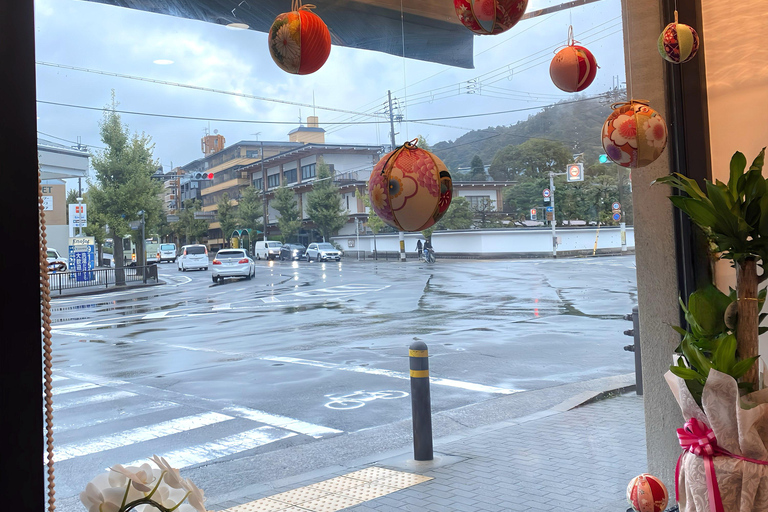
<point x="232" y="263"/>
<point x="192" y="257"/>
<point x="322" y="252"/>
<point x="55" y="262"/>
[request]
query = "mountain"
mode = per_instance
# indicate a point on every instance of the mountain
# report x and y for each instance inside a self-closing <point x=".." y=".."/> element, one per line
<point x="575" y="122"/>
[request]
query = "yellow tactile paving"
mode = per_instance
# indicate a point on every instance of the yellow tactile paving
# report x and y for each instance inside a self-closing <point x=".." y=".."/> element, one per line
<point x="336" y="493"/>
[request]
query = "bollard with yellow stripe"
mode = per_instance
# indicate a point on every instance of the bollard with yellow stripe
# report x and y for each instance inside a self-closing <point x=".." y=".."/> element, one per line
<point x="421" y="406"/>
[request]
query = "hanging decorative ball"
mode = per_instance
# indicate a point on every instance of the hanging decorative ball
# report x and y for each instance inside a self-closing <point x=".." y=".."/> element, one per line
<point x="410" y="188"/>
<point x="574" y="67"/>
<point x="634" y="135"/>
<point x="646" y="493"/>
<point x="299" y="41"/>
<point x="678" y="42"/>
<point x="489" y="16"/>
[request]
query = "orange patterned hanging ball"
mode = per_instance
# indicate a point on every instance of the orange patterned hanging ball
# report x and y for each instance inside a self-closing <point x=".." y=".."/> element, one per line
<point x="634" y="135"/>
<point x="410" y="188"/>
<point x="646" y="493"/>
<point x="490" y="16"/>
<point x="573" y="68"/>
<point x="299" y="41"/>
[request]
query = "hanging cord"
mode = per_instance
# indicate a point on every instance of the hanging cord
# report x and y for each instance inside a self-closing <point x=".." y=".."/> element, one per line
<point x="45" y="303"/>
<point x="297" y="6"/>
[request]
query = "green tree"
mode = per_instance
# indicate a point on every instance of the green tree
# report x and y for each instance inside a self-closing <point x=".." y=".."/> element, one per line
<point x="534" y="158"/>
<point x="123" y="184"/>
<point x="289" y="221"/>
<point x="422" y="143"/>
<point x="477" y="172"/>
<point x="485" y="213"/>
<point x="324" y="203"/>
<point x="191" y="228"/>
<point x="227" y="217"/>
<point x="458" y="216"/>
<point x="250" y="211"/>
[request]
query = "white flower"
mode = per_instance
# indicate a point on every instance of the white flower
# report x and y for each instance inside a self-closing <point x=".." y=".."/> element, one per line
<point x="655" y="132"/>
<point x="286" y="46"/>
<point x="163" y="497"/>
<point x="196" y="498"/>
<point x="172" y="476"/>
<point x="97" y="501"/>
<point x="625" y="130"/>
<point x="141" y="477"/>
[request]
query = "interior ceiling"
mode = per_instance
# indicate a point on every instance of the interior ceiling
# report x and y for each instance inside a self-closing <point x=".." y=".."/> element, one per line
<point x="429" y="29"/>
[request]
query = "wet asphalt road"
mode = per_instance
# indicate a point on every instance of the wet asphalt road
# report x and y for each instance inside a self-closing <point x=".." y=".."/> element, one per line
<point x="204" y="373"/>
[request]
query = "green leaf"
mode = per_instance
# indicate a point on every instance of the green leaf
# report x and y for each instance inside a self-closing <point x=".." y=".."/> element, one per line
<point x="742" y="367"/>
<point x="738" y="163"/>
<point x="700" y="213"/>
<point x="707" y="306"/>
<point x="680" y="330"/>
<point x="757" y="163"/>
<point x="695" y="358"/>
<point x="686" y="373"/>
<point x="725" y="355"/>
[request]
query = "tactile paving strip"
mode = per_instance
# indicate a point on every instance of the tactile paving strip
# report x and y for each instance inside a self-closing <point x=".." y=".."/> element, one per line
<point x="336" y="493"/>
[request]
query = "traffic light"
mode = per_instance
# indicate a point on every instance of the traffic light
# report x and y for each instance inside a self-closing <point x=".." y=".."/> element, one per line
<point x="203" y="176"/>
<point x="603" y="158"/>
<point x="575" y="172"/>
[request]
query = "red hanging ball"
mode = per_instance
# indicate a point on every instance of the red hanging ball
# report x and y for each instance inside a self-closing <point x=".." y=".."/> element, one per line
<point x="490" y="16"/>
<point x="299" y="41"/>
<point x="573" y="68"/>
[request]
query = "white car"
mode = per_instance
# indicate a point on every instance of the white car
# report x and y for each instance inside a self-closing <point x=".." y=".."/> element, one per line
<point x="232" y="263"/>
<point x="167" y="252"/>
<point x="267" y="249"/>
<point x="322" y="252"/>
<point x="192" y="257"/>
<point x="55" y="262"/>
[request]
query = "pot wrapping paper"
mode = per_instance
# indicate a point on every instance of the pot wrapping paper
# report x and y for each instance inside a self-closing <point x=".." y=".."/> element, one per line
<point x="739" y="425"/>
<point x="410" y="188"/>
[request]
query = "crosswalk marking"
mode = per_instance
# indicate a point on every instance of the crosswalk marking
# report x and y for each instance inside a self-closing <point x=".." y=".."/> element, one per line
<point x="302" y="427"/>
<point x="222" y="447"/>
<point x="73" y="388"/>
<point x="114" y="414"/>
<point x="138" y="435"/>
<point x="93" y="399"/>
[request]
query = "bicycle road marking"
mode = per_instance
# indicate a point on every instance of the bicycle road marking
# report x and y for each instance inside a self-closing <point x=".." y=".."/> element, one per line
<point x="358" y="399"/>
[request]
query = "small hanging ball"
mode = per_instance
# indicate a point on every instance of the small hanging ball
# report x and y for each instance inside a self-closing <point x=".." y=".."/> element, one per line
<point x="496" y="16"/>
<point x="678" y="43"/>
<point x="646" y="493"/>
<point x="634" y="135"/>
<point x="410" y="188"/>
<point x="299" y="42"/>
<point x="573" y="68"/>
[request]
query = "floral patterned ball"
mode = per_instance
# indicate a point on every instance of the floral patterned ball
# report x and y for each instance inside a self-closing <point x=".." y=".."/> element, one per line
<point x="634" y="135"/>
<point x="410" y="188"/>
<point x="573" y="68"/>
<point x="678" y="43"/>
<point x="496" y="15"/>
<point x="299" y="41"/>
<point x="646" y="493"/>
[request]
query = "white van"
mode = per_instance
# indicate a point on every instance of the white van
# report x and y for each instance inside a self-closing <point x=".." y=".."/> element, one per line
<point x="167" y="252"/>
<point x="193" y="257"/>
<point x="267" y="249"/>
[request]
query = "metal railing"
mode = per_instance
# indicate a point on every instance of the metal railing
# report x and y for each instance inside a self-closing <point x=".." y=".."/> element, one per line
<point x="100" y="278"/>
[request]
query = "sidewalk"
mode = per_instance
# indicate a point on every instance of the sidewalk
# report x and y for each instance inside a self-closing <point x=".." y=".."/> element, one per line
<point x="560" y="459"/>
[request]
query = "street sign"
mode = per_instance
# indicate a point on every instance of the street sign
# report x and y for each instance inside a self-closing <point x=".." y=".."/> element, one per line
<point x="550" y="209"/>
<point x="575" y="172"/>
<point x="550" y="216"/>
<point x="616" y="206"/>
<point x="172" y="218"/>
<point x="78" y="216"/>
<point x="547" y="192"/>
<point x="205" y="215"/>
<point x="616" y="216"/>
<point x="135" y="224"/>
<point x="533" y="213"/>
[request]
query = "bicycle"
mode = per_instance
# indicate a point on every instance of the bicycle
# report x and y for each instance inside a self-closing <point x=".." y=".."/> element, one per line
<point x="429" y="255"/>
<point x="359" y="398"/>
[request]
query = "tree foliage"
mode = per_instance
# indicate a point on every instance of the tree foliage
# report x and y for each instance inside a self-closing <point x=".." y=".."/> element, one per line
<point x="324" y="203"/>
<point x="374" y="222"/>
<point x="192" y="229"/>
<point x="458" y="216"/>
<point x="289" y="221"/>
<point x="534" y="158"/>
<point x="477" y="172"/>
<point x="227" y="217"/>
<point x="250" y="210"/>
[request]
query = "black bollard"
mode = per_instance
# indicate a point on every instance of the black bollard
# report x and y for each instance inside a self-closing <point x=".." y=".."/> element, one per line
<point x="421" y="406"/>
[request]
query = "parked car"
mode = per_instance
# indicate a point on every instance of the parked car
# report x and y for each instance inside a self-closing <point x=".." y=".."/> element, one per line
<point x="192" y="257"/>
<point x="292" y="252"/>
<point x="267" y="249"/>
<point x="232" y="263"/>
<point x="322" y="252"/>
<point x="55" y="262"/>
<point x="167" y="252"/>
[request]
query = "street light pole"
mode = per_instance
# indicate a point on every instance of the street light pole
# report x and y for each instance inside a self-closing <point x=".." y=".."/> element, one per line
<point x="143" y="254"/>
<point x="264" y="192"/>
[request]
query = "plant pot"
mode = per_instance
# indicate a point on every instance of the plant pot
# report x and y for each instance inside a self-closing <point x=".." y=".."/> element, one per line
<point x="731" y="447"/>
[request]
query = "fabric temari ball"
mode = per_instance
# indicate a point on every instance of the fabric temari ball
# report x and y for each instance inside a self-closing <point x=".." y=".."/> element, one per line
<point x="646" y="493"/>
<point x="299" y="41"/>
<point x="634" y="135"/>
<point x="410" y="188"/>
<point x="678" y="43"/>
<point x="573" y="68"/>
<point x="489" y="16"/>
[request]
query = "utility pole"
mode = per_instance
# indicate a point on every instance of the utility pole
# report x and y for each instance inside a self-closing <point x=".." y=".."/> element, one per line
<point x="401" y="235"/>
<point x="264" y="192"/>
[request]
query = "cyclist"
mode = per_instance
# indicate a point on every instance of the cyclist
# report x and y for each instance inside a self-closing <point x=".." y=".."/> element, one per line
<point x="429" y="253"/>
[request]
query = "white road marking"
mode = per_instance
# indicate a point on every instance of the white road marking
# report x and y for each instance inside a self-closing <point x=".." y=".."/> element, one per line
<point x="137" y="435"/>
<point x="74" y="388"/>
<point x="302" y="427"/>
<point x="221" y="447"/>
<point x="114" y="414"/>
<point x="55" y="378"/>
<point x="93" y="399"/>
<point x="398" y="375"/>
<point x="221" y="307"/>
<point x="159" y="314"/>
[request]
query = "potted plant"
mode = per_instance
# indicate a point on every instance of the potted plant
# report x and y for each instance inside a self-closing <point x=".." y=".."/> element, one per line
<point x="715" y="376"/>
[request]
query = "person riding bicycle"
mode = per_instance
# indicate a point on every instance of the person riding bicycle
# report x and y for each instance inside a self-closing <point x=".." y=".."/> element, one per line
<point x="427" y="249"/>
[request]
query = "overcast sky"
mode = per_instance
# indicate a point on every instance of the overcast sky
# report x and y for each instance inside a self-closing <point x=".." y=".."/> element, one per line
<point x="513" y="70"/>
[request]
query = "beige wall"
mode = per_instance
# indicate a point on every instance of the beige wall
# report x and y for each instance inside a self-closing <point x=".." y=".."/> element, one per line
<point x="737" y="91"/>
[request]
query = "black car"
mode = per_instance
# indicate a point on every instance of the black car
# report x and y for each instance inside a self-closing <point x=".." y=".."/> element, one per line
<point x="292" y="252"/>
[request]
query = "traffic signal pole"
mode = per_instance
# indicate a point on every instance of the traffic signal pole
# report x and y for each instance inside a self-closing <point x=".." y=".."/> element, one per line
<point x="552" y="204"/>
